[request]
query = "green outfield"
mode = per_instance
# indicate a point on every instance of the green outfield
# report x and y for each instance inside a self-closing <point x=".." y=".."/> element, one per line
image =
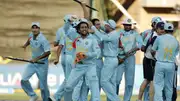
<point x="22" y="96"/>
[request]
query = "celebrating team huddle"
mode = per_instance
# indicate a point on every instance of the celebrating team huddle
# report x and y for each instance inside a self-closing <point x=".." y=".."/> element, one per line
<point x="95" y="55"/>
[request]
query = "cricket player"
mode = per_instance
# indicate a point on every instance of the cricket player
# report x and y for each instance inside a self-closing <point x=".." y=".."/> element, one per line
<point x="68" y="19"/>
<point x="87" y="50"/>
<point x="83" y="88"/>
<point x="174" y="96"/>
<point x="148" y="61"/>
<point x="99" y="61"/>
<point x="66" y="51"/>
<point x="110" y="52"/>
<point x="130" y="42"/>
<point x="40" y="48"/>
<point x="80" y="92"/>
<point x="165" y="49"/>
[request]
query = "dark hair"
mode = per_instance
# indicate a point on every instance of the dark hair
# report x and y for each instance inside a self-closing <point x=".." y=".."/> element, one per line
<point x="160" y="25"/>
<point x="153" y="24"/>
<point x="169" y="31"/>
<point x="94" y="20"/>
<point x="36" y="26"/>
<point x="78" y="26"/>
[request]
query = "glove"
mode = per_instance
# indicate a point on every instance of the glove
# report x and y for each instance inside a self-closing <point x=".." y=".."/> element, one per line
<point x="120" y="61"/>
<point x="79" y="56"/>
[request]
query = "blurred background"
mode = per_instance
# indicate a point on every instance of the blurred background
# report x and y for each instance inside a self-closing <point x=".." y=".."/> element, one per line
<point x="16" y="17"/>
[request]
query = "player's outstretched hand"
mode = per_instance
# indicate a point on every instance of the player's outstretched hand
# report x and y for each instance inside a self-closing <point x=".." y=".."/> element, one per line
<point x="23" y="47"/>
<point x="3" y="57"/>
<point x="34" y="60"/>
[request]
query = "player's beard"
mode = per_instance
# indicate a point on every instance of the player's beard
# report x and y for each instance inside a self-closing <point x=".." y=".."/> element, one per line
<point x="35" y="34"/>
<point x="127" y="30"/>
<point x="84" y="35"/>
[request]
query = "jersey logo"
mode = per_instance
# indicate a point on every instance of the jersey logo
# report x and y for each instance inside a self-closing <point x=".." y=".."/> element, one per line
<point x="36" y="43"/>
<point x="86" y="43"/>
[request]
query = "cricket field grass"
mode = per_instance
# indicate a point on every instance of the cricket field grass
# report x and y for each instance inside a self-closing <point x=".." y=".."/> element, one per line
<point x="22" y="97"/>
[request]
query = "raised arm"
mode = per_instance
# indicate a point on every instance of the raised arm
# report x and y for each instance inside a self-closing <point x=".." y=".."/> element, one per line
<point x="103" y="37"/>
<point x="27" y="43"/>
<point x="86" y="14"/>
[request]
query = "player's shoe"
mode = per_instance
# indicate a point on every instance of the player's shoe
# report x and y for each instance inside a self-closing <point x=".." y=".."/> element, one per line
<point x="34" y="98"/>
<point x="51" y="98"/>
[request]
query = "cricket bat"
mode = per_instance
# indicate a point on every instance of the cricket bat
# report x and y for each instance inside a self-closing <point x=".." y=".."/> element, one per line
<point x="23" y="60"/>
<point x="86" y="5"/>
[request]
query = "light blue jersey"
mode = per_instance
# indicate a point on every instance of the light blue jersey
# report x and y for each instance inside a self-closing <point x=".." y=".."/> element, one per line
<point x="81" y="90"/>
<point x="67" y="39"/>
<point x="39" y="45"/>
<point x="100" y="43"/>
<point x="67" y="43"/>
<point x="67" y="59"/>
<point x="72" y="33"/>
<point x="90" y="47"/>
<point x="166" y="47"/>
<point x="110" y="42"/>
<point x="60" y="34"/>
<point x="146" y="35"/>
<point x="130" y="40"/>
<point x="87" y="68"/>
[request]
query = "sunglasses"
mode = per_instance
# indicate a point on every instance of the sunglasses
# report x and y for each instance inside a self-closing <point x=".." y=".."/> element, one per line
<point x="127" y="25"/>
<point x="160" y="27"/>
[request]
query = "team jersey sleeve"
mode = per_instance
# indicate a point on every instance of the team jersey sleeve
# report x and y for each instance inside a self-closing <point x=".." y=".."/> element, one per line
<point x="155" y="45"/>
<point x="139" y="40"/>
<point x="45" y="45"/>
<point x="104" y="37"/>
